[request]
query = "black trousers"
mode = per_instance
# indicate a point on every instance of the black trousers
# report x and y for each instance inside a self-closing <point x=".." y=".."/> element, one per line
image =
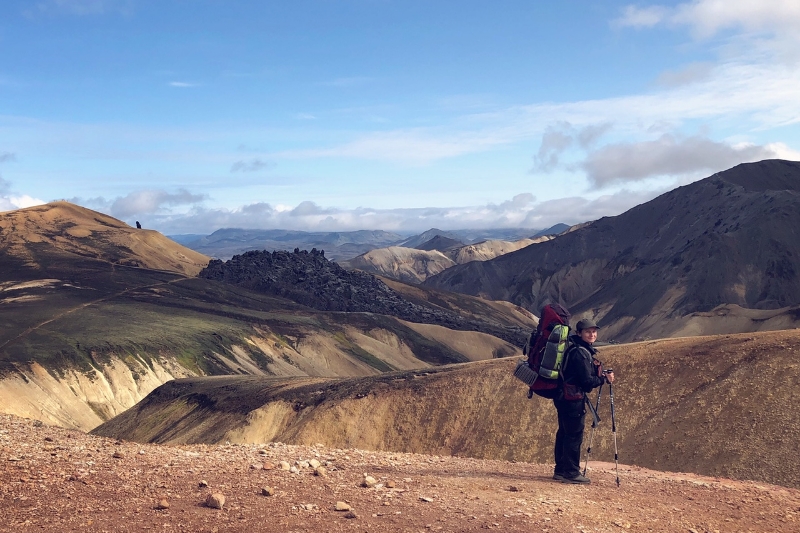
<point x="569" y="437"/>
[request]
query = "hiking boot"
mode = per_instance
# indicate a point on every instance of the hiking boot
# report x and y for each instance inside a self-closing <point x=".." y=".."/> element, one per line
<point x="578" y="480"/>
<point x="558" y="477"/>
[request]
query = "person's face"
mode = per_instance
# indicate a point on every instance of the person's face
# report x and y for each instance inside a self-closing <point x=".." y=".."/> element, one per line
<point x="589" y="335"/>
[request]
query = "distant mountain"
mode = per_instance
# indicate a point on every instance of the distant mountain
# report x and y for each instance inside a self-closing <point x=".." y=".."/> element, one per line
<point x="418" y="240"/>
<point x="552" y="230"/>
<point x="440" y="243"/>
<point x="411" y="265"/>
<point x="730" y="239"/>
<point x="225" y="243"/>
<point x="408" y="265"/>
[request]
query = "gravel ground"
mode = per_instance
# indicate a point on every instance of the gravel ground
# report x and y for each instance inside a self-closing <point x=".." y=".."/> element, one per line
<point x="52" y="479"/>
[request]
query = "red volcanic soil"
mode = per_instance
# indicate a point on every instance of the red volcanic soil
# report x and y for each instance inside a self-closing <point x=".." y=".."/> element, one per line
<point x="52" y="479"/>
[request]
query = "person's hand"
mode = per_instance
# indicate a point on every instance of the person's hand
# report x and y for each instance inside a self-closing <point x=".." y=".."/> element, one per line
<point x="610" y="377"/>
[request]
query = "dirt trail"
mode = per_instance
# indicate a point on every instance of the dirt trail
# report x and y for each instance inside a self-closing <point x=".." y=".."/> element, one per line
<point x="84" y="305"/>
<point x="53" y="479"/>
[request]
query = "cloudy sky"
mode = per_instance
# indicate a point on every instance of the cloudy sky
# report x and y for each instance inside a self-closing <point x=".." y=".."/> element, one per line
<point x="401" y="115"/>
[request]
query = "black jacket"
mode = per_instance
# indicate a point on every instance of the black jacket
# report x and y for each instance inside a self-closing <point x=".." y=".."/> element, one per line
<point x="580" y="373"/>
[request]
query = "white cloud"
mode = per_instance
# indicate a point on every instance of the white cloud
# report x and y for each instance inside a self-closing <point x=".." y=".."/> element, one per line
<point x="641" y="17"/>
<point x="708" y="17"/>
<point x="152" y="201"/>
<point x="181" y="84"/>
<point x="557" y="138"/>
<point x="667" y="155"/>
<point x="10" y="201"/>
<point x="406" y="146"/>
<point x="253" y="165"/>
<point x="691" y="73"/>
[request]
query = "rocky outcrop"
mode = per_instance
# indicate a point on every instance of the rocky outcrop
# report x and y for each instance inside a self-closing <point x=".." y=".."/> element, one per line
<point x="309" y="279"/>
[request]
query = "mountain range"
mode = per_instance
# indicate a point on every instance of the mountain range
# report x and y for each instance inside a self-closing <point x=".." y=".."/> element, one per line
<point x="338" y="245"/>
<point x="95" y="314"/>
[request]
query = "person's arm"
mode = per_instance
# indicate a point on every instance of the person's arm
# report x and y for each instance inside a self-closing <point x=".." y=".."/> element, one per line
<point x="585" y="372"/>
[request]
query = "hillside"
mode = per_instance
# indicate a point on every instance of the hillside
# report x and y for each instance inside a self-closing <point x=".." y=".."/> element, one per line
<point x="92" y="324"/>
<point x="412" y="265"/>
<point x="686" y="405"/>
<point x="728" y="240"/>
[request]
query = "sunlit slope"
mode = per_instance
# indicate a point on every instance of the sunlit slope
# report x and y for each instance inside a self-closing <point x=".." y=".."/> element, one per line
<point x="712" y="405"/>
<point x="81" y="232"/>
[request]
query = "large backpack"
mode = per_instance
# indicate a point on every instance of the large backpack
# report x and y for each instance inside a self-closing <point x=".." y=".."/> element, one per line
<point x="546" y="349"/>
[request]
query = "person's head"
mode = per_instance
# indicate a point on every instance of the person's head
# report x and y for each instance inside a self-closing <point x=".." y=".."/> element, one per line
<point x="587" y="330"/>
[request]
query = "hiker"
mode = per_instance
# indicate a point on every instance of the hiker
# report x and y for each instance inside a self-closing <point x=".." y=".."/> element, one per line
<point x="581" y="373"/>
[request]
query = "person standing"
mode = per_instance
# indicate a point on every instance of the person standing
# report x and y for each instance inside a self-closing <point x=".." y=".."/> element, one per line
<point x="581" y="373"/>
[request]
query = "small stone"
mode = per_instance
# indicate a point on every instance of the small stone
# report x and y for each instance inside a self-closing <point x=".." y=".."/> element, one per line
<point x="313" y="463"/>
<point x="141" y="452"/>
<point x="390" y="484"/>
<point x="350" y="514"/>
<point x="513" y="488"/>
<point x="263" y="452"/>
<point x="203" y="483"/>
<point x="162" y="504"/>
<point x="294" y="469"/>
<point x="426" y="499"/>
<point x="284" y="465"/>
<point x="342" y="506"/>
<point x="215" y="501"/>
<point x="267" y="491"/>
<point x="268" y="466"/>
<point x="321" y="471"/>
<point x="118" y="455"/>
<point x="368" y="481"/>
<point x="302" y="464"/>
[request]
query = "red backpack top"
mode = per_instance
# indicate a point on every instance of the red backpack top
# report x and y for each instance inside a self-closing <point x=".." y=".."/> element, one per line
<point x="551" y="315"/>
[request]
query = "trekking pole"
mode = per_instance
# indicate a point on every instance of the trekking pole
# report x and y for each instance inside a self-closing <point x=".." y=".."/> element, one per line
<point x="595" y="421"/>
<point x="614" y="428"/>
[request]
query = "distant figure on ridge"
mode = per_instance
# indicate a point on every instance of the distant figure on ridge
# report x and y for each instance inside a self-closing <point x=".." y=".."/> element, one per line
<point x="581" y="373"/>
<point x="138" y="226"/>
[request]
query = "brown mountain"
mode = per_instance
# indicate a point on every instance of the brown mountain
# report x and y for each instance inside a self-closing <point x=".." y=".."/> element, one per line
<point x="729" y="240"/>
<point x="82" y="233"/>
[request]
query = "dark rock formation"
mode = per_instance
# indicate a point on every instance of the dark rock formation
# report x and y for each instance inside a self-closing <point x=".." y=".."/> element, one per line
<point x="309" y="279"/>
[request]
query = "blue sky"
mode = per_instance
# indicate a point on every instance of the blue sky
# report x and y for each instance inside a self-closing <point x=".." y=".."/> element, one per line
<point x="380" y="114"/>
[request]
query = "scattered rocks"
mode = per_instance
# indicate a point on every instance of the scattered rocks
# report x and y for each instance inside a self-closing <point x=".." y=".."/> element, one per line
<point x="162" y="504"/>
<point x="268" y="491"/>
<point x="321" y="471"/>
<point x="342" y="506"/>
<point x="284" y="465"/>
<point x="368" y="481"/>
<point x="215" y="501"/>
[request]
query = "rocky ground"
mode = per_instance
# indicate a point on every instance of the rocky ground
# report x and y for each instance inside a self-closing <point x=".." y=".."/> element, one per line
<point x="52" y="479"/>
